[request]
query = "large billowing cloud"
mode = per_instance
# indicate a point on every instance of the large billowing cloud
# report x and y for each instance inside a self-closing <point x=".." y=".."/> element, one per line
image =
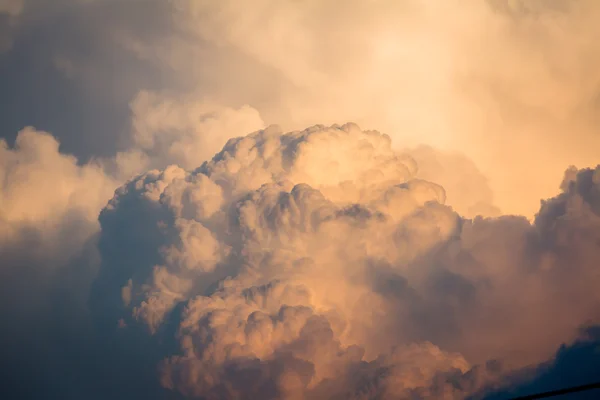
<point x="329" y="262"/>
<point x="51" y="348"/>
<point x="312" y="264"/>
<point x="309" y="264"/>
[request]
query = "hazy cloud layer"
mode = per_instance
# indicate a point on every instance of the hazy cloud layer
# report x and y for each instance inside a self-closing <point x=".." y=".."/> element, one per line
<point x="493" y="79"/>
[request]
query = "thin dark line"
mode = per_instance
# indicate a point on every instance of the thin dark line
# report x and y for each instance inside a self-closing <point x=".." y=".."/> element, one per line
<point x="559" y="392"/>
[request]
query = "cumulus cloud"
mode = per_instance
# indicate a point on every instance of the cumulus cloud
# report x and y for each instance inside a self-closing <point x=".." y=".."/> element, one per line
<point x="322" y="262"/>
<point x="308" y="264"/>
<point x="42" y="189"/>
<point x="294" y="263"/>
<point x="49" y="206"/>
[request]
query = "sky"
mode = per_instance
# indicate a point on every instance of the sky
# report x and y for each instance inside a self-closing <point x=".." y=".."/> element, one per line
<point x="297" y="200"/>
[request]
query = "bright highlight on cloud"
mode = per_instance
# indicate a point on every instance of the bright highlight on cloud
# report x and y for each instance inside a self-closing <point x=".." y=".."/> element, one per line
<point x="494" y="79"/>
<point x="240" y="239"/>
<point x="44" y="190"/>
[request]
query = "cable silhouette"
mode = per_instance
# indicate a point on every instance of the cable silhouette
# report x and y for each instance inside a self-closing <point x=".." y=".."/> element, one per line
<point x="560" y="392"/>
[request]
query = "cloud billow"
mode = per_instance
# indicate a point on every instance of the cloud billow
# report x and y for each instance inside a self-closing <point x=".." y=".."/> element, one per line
<point x="313" y="264"/>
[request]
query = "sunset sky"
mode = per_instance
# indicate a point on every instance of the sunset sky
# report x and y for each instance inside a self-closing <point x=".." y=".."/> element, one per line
<point x="299" y="199"/>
